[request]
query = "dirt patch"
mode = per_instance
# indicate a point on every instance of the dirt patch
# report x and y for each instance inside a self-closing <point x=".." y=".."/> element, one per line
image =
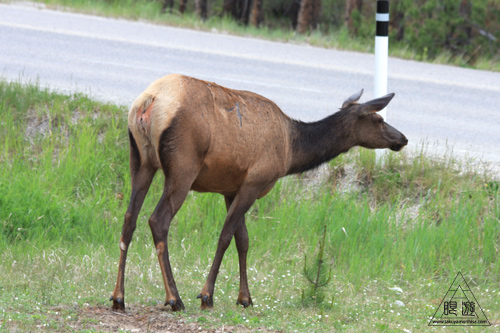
<point x="145" y="319"/>
<point x="36" y="126"/>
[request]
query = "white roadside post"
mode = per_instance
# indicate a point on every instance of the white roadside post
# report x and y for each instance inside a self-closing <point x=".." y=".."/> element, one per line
<point x="381" y="56"/>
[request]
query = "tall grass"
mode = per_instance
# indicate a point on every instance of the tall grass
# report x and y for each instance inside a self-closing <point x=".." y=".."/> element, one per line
<point x="410" y="221"/>
<point x="56" y="151"/>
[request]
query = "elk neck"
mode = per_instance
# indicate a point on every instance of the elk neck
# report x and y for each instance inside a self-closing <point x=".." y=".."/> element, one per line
<point x="315" y="143"/>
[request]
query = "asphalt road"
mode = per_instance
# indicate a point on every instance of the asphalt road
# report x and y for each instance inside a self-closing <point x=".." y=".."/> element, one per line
<point x="114" y="60"/>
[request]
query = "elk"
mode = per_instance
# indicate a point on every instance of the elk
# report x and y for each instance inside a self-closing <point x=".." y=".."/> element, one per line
<point x="208" y="138"/>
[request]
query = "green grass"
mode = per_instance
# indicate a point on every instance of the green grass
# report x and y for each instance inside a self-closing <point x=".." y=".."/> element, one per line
<point x="278" y="31"/>
<point x="411" y="222"/>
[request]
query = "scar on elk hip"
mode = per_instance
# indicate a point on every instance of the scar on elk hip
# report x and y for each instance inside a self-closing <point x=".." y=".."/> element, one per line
<point x="144" y="118"/>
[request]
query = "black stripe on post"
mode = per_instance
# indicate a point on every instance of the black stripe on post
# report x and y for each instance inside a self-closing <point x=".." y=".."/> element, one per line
<point x="382" y="29"/>
<point x="382" y="18"/>
<point x="383" y="6"/>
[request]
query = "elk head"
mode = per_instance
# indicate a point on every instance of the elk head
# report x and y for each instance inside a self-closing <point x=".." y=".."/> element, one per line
<point x="370" y="129"/>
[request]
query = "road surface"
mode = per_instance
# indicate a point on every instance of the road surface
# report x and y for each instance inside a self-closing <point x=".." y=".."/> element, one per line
<point x="114" y="60"/>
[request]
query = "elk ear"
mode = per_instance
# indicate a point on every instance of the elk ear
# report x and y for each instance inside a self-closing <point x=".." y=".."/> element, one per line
<point x="353" y="99"/>
<point x="375" y="105"/>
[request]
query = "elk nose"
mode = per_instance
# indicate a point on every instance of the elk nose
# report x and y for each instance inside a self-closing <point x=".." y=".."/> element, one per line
<point x="404" y="140"/>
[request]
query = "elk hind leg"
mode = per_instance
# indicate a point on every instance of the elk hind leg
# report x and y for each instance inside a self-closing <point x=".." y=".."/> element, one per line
<point x="167" y="207"/>
<point x="142" y="176"/>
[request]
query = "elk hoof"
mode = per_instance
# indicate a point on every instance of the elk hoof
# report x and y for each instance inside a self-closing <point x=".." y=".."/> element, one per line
<point x="206" y="301"/>
<point x="118" y="303"/>
<point x="245" y="303"/>
<point x="176" y="305"/>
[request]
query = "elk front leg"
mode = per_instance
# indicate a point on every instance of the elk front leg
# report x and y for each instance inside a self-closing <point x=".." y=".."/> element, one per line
<point x="140" y="185"/>
<point x="240" y="205"/>
<point x="241" y="240"/>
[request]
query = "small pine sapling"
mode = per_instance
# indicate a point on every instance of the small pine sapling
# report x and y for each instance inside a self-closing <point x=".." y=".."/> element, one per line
<point x="318" y="274"/>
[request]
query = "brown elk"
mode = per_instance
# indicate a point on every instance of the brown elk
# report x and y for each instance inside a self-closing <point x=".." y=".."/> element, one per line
<point x="208" y="138"/>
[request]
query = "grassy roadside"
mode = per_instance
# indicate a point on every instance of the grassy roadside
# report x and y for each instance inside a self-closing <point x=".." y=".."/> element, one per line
<point x="339" y="39"/>
<point x="396" y="231"/>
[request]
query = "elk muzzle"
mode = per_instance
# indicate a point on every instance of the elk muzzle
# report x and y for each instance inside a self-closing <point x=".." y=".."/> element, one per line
<point x="397" y="140"/>
<point x="400" y="143"/>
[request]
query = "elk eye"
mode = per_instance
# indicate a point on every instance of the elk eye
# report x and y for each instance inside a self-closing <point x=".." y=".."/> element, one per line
<point x="380" y="121"/>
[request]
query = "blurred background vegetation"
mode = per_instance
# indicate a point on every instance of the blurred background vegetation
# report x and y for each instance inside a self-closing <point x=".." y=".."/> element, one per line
<point x="459" y="28"/>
